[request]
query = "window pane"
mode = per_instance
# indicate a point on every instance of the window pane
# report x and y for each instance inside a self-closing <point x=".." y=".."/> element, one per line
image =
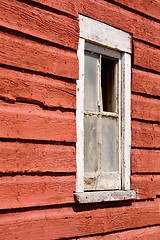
<point x="109" y="154"/>
<point x="90" y="82"/>
<point x="90" y="145"/>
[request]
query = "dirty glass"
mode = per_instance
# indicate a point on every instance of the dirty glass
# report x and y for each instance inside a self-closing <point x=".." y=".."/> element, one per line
<point x="91" y="83"/>
<point x="90" y="144"/>
<point x="109" y="149"/>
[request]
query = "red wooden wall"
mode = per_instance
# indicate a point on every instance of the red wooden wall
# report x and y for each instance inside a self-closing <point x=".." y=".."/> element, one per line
<point x="38" y="72"/>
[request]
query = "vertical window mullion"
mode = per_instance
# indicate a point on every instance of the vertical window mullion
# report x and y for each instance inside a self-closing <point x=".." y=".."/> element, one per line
<point x="99" y="85"/>
<point x="119" y="110"/>
<point x="116" y="88"/>
<point x="100" y="108"/>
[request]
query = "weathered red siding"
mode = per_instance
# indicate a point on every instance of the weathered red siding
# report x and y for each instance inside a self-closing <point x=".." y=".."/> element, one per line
<point x="38" y="72"/>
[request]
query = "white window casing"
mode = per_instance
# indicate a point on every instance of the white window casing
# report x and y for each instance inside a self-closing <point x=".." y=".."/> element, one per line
<point x="108" y="41"/>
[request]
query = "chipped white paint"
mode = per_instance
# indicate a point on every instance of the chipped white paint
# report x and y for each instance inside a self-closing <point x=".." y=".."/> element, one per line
<point x="104" y="196"/>
<point x="126" y="120"/>
<point x="79" y="120"/>
<point x="120" y="100"/>
<point x="102" y="50"/>
<point x="104" y="34"/>
<point x="107" y="114"/>
<point x="111" y="40"/>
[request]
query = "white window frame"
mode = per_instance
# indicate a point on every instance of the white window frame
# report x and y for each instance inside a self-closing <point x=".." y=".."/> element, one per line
<point x="115" y="43"/>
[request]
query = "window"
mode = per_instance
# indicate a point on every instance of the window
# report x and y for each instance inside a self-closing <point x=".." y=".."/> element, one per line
<point x="101" y="119"/>
<point x="103" y="113"/>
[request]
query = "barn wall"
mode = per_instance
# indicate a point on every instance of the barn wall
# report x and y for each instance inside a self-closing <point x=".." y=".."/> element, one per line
<point x="38" y="72"/>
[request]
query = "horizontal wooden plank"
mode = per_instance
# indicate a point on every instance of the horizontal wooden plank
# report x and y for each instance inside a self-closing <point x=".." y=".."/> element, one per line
<point x="146" y="186"/>
<point x="150" y="233"/>
<point x="146" y="56"/>
<point x="141" y="27"/>
<point x="24" y="121"/>
<point x="49" y="92"/>
<point x="28" y="54"/>
<point x="145" y="82"/>
<point x="29" y="191"/>
<point x="31" y="157"/>
<point x="145" y="108"/>
<point x="145" y="135"/>
<point x="39" y="23"/>
<point x="145" y="161"/>
<point x="151" y="8"/>
<point x="46" y="224"/>
<point x="67" y="6"/>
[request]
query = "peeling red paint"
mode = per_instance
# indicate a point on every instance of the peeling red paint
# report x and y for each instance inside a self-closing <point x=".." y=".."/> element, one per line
<point x="38" y="73"/>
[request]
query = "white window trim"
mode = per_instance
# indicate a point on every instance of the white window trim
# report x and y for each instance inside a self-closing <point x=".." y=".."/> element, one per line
<point x="113" y="39"/>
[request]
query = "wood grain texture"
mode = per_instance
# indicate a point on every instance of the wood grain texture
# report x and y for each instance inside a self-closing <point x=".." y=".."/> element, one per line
<point x="46" y="224"/>
<point x="23" y="125"/>
<point x="145" y="108"/>
<point x="145" y="161"/>
<point x="146" y="56"/>
<point x="37" y="22"/>
<point x="149" y="233"/>
<point x="31" y="157"/>
<point x="145" y="135"/>
<point x="145" y="82"/>
<point x="150" y="8"/>
<point x="141" y="27"/>
<point x="146" y="186"/>
<point x="23" y="53"/>
<point x="28" y="191"/>
<point x="30" y="122"/>
<point x="45" y="91"/>
<point x="67" y="6"/>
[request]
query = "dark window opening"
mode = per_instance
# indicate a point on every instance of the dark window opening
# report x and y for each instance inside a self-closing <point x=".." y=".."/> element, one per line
<point x="108" y="84"/>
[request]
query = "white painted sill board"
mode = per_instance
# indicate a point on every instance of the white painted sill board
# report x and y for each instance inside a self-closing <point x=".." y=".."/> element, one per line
<point x="104" y="196"/>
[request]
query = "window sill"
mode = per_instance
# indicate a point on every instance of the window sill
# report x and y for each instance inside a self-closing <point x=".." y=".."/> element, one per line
<point x="104" y="196"/>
